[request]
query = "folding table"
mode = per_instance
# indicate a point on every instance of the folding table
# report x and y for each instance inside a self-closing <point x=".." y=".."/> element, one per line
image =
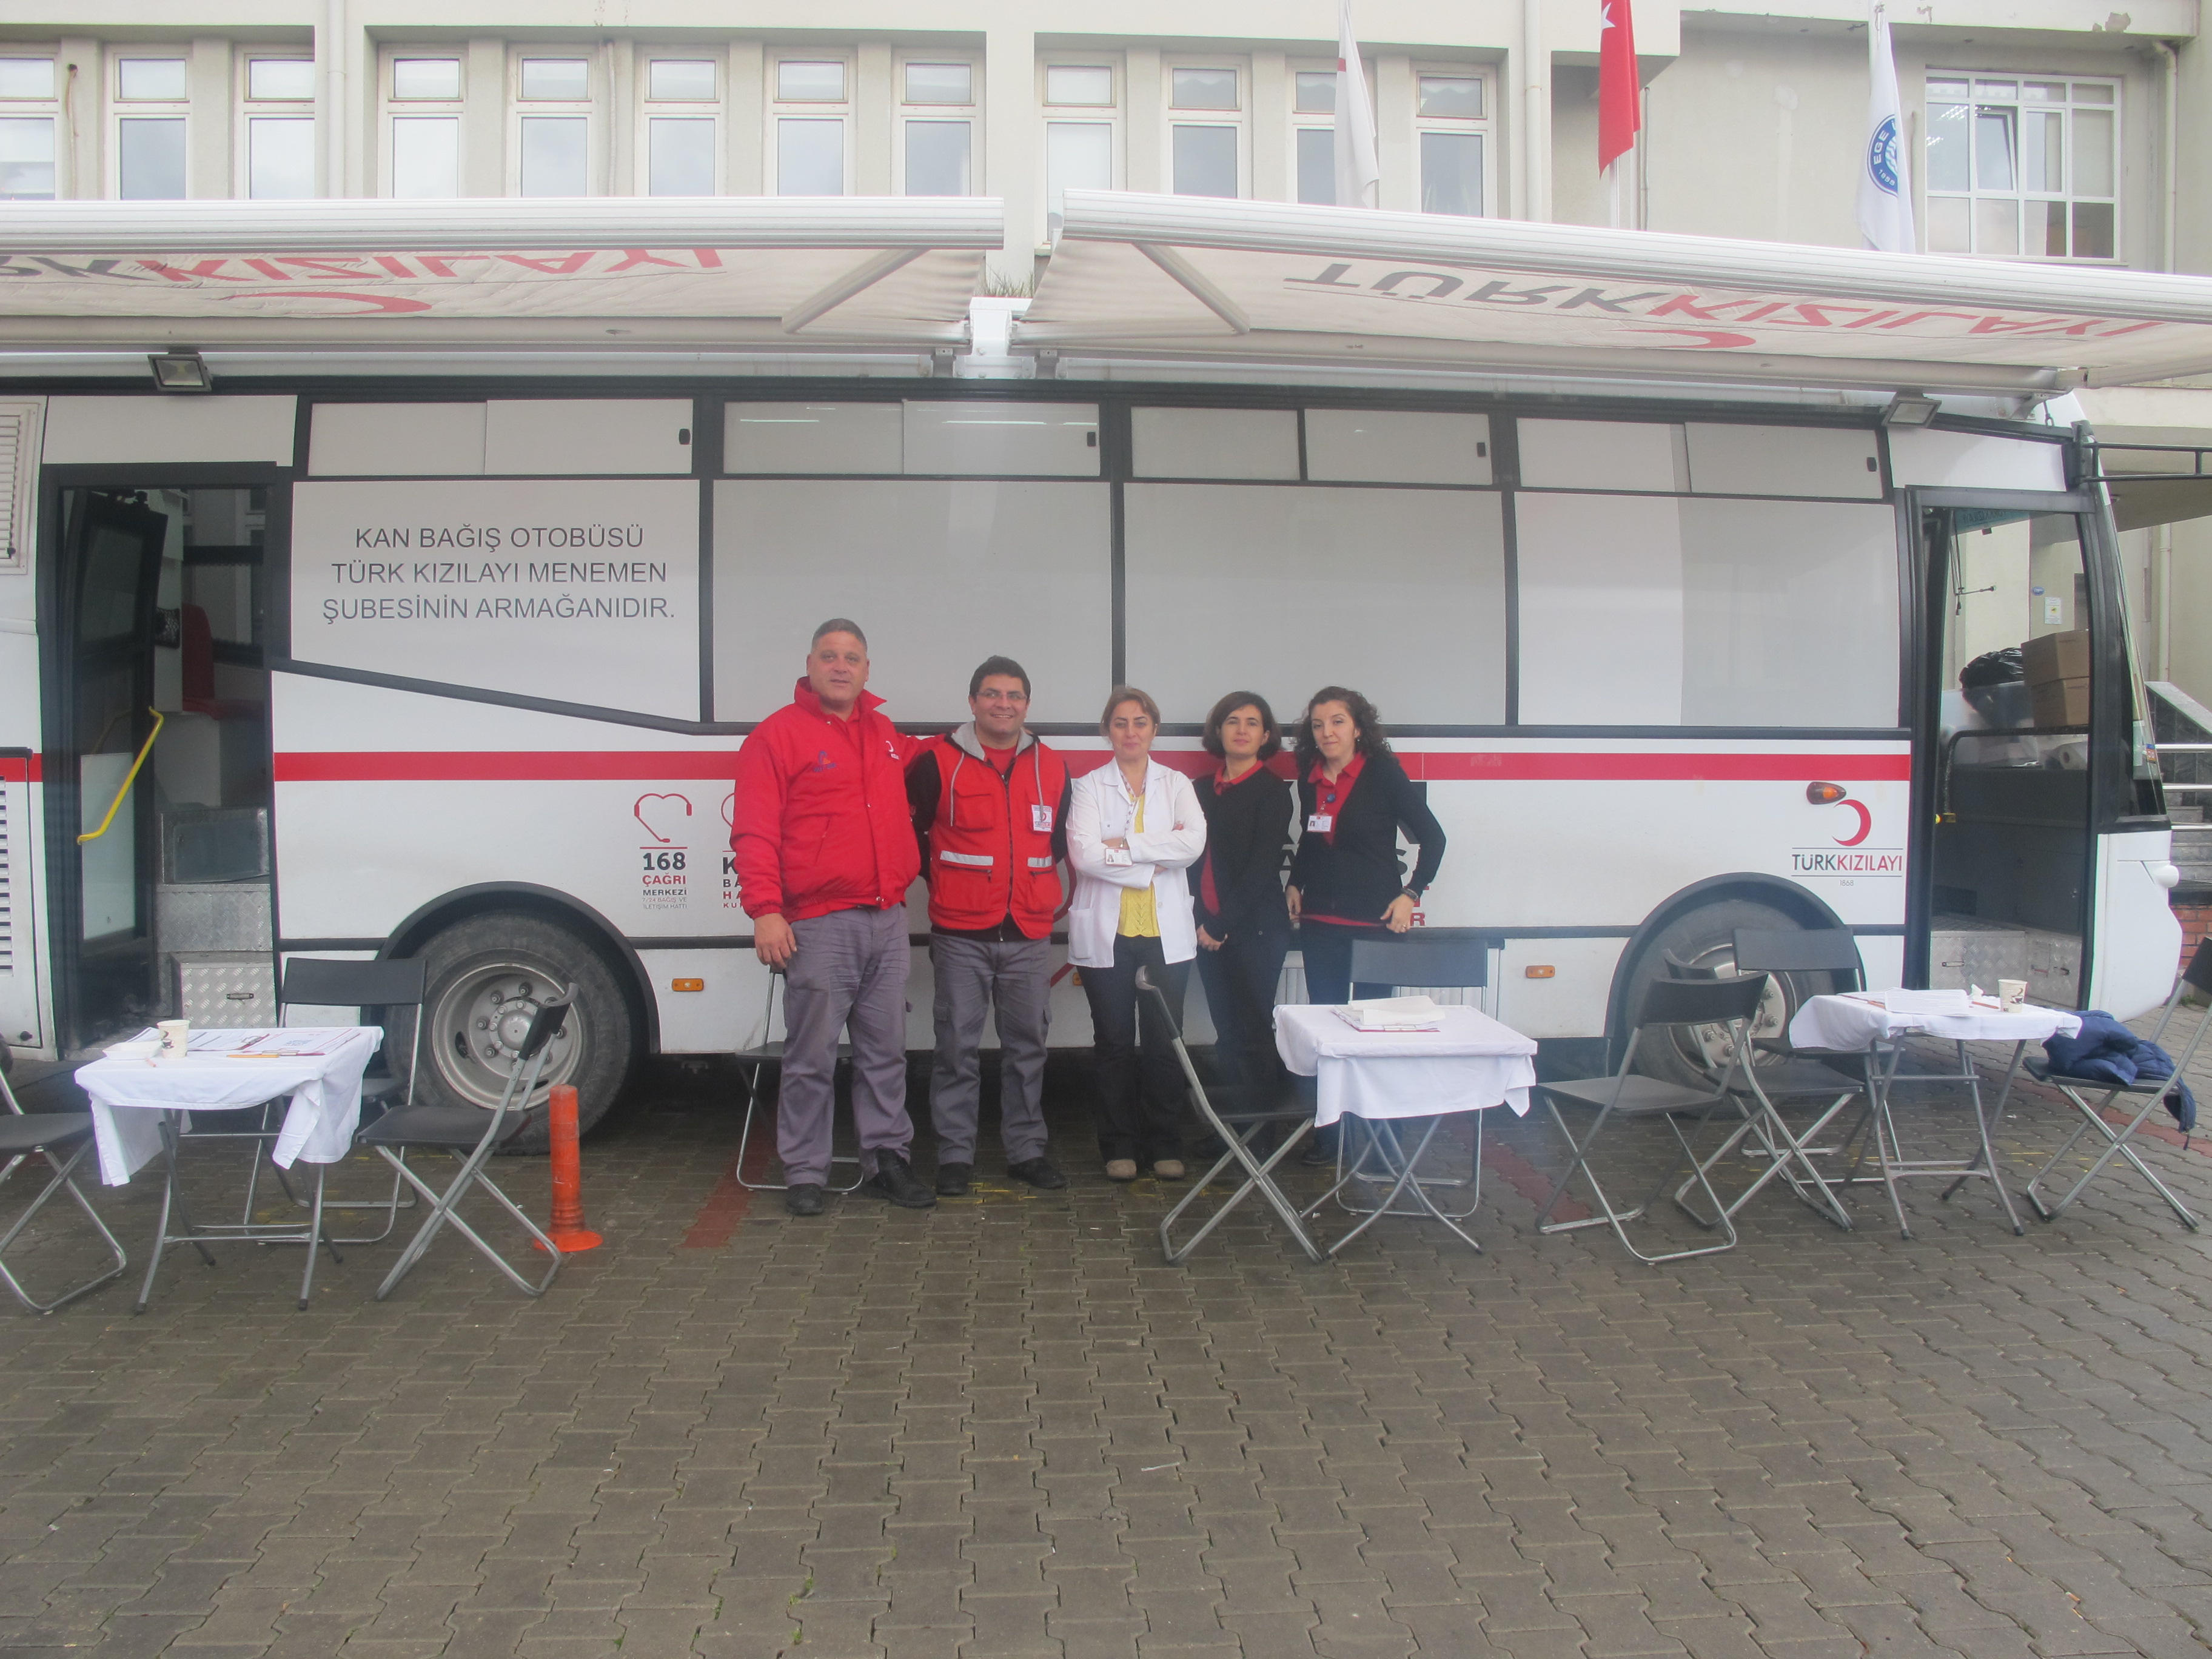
<point x="140" y="1109"/>
<point x="1387" y="1078"/>
<point x="1863" y="1020"/>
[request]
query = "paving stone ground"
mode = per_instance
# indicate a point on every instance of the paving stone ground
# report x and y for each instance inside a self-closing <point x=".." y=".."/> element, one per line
<point x="1005" y="1429"/>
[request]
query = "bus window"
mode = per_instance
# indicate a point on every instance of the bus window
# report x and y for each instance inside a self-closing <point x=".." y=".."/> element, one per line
<point x="2013" y="670"/>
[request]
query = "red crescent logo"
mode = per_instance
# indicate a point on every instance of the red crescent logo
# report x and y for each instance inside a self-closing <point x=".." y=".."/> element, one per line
<point x="1866" y="823"/>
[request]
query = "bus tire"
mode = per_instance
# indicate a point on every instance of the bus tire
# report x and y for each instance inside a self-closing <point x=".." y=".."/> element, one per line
<point x="487" y="974"/>
<point x="1706" y="937"/>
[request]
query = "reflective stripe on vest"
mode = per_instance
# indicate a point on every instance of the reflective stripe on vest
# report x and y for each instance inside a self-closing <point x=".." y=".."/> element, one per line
<point x="978" y="860"/>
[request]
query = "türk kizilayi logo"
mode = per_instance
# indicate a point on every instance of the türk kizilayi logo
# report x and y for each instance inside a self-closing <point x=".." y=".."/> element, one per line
<point x="1850" y="857"/>
<point x="1881" y="156"/>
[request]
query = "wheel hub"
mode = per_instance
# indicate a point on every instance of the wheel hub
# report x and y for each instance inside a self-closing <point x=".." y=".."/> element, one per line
<point x="482" y="1019"/>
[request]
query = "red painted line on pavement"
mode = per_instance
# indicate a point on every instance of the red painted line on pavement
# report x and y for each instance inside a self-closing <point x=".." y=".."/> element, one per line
<point x="725" y="1209"/>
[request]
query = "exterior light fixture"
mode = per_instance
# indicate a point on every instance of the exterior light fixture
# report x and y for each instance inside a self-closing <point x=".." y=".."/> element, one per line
<point x="1909" y="408"/>
<point x="181" y="371"/>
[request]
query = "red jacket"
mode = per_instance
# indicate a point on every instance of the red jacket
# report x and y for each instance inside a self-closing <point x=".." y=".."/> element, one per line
<point x="820" y="819"/>
<point x="995" y="843"/>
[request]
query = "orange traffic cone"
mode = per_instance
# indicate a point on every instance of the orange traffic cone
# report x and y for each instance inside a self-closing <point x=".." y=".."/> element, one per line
<point x="567" y="1230"/>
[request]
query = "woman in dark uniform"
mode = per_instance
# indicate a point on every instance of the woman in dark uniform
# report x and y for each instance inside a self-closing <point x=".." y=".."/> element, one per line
<point x="1243" y="921"/>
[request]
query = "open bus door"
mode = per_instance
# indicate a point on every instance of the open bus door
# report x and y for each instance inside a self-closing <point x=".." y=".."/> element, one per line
<point x="2021" y="675"/>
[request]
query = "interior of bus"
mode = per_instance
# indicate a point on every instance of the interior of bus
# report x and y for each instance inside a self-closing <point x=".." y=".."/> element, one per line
<point x="165" y="715"/>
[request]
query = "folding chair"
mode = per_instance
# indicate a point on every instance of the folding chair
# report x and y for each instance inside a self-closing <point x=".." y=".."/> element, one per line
<point x="2152" y="1091"/>
<point x="471" y="1136"/>
<point x="763" y="1054"/>
<point x="1405" y="962"/>
<point x="1238" y="1132"/>
<point x="1668" y="1005"/>
<point x="48" y="1135"/>
<point x="391" y="982"/>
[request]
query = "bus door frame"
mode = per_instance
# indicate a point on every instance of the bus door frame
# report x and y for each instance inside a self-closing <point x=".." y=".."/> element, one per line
<point x="2111" y="779"/>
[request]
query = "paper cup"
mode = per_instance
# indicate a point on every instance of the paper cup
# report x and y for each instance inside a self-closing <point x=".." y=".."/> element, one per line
<point x="2011" y="992"/>
<point x="176" y="1037"/>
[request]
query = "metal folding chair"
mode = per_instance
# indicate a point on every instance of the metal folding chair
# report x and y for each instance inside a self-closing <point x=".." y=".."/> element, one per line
<point x="1670" y="1005"/>
<point x="763" y="1055"/>
<point x="2151" y="1092"/>
<point x="1238" y="1132"/>
<point x="62" y="1139"/>
<point x="1408" y="963"/>
<point x="389" y="982"/>
<point x="471" y="1136"/>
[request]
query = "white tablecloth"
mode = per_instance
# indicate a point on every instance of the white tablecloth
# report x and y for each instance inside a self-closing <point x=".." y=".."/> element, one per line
<point x="325" y="1088"/>
<point x="1853" y="1022"/>
<point x="1473" y="1063"/>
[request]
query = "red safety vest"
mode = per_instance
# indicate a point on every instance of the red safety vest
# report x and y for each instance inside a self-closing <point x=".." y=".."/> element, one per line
<point x="990" y="846"/>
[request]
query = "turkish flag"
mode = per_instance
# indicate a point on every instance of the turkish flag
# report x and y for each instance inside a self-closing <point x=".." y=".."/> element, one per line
<point x="1619" y="102"/>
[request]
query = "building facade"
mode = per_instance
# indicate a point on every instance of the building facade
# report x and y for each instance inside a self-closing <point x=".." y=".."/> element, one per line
<point x="2049" y="129"/>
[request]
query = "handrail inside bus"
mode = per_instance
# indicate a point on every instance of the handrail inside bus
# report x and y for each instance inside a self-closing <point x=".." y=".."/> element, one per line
<point x="129" y="778"/>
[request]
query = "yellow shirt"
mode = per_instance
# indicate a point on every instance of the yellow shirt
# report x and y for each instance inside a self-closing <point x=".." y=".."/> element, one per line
<point x="1140" y="914"/>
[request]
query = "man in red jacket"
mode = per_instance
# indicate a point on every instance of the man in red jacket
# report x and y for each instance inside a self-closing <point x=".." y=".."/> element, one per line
<point x="990" y="813"/>
<point x="825" y="852"/>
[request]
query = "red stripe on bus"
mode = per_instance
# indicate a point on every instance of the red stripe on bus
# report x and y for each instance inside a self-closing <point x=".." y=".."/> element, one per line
<point x="1434" y="766"/>
<point x="19" y="769"/>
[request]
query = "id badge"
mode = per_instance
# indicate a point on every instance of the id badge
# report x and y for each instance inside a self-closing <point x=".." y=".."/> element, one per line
<point x="1041" y="820"/>
<point x="1321" y="822"/>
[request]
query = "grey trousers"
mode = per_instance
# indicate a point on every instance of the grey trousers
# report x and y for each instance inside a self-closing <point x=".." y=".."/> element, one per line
<point x="849" y="970"/>
<point x="975" y="977"/>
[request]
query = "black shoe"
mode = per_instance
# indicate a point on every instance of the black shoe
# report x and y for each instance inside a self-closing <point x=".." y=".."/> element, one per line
<point x="894" y="1180"/>
<point x="1317" y="1151"/>
<point x="952" y="1179"/>
<point x="1038" y="1172"/>
<point x="803" y="1198"/>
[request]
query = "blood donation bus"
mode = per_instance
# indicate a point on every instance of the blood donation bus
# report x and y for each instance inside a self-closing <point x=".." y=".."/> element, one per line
<point x="414" y="598"/>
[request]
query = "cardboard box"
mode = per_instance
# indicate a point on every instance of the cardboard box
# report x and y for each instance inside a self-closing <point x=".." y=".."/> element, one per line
<point x="2062" y="702"/>
<point x="2057" y="657"/>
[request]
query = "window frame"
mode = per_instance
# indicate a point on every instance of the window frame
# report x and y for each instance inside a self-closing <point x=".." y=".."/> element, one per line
<point x="649" y="109"/>
<point x="392" y="108"/>
<point x="2020" y="195"/>
<point x="1111" y="116"/>
<point x="47" y="109"/>
<point x="589" y="109"/>
<point x="1483" y="126"/>
<point x="248" y="107"/>
<point x="1311" y="121"/>
<point x="1238" y="119"/>
<point x="120" y="109"/>
<point x="775" y="109"/>
<point x="905" y="112"/>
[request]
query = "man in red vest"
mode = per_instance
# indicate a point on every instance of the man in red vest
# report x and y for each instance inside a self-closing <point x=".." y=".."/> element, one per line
<point x="825" y="852"/>
<point x="990" y="813"/>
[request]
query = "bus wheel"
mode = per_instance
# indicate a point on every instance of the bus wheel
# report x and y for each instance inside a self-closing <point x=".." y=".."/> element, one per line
<point x="1704" y="940"/>
<point x="488" y="975"/>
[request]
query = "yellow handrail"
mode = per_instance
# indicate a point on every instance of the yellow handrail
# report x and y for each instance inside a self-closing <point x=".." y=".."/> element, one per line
<point x="129" y="778"/>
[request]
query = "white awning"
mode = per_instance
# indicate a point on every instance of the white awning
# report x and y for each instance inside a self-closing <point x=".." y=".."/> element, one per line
<point x="1187" y="277"/>
<point x="694" y="273"/>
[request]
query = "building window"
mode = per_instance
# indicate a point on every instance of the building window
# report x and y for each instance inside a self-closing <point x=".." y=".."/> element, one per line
<point x="682" y="127"/>
<point x="1082" y="137"/>
<point x="553" y="126"/>
<point x="2023" y="167"/>
<point x="809" y="119"/>
<point x="280" y="127"/>
<point x="27" y="114"/>
<point x="936" y="118"/>
<point x="1451" y="111"/>
<point x="424" y="124"/>
<point x="1205" y="129"/>
<point x="153" y="103"/>
<point x="1313" y="135"/>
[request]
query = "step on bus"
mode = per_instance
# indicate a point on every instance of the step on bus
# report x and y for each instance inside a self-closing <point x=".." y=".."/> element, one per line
<point x="391" y="611"/>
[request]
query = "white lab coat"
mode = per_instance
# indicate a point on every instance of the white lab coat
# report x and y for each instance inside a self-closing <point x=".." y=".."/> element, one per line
<point x="1173" y="839"/>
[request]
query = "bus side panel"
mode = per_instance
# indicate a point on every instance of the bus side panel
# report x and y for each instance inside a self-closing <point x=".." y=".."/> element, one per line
<point x="26" y="1010"/>
<point x="2138" y="945"/>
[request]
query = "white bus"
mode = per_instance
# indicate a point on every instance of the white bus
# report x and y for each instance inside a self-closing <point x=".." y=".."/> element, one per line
<point x="434" y="627"/>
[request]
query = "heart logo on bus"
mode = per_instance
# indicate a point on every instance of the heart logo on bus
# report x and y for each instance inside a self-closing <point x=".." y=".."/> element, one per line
<point x="656" y="814"/>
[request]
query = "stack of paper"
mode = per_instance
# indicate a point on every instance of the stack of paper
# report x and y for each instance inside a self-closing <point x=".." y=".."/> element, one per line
<point x="1927" y="1002"/>
<point x="1393" y="1014"/>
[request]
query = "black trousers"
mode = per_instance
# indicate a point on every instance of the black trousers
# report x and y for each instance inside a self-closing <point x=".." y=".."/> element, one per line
<point x="1240" y="981"/>
<point x="1139" y="1107"/>
<point x="1326" y="947"/>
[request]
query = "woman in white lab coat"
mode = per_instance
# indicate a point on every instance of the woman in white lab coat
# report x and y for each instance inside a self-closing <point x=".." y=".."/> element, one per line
<point x="1134" y="828"/>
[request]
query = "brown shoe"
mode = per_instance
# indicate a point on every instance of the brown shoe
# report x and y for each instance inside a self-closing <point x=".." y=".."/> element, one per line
<point x="1168" y="1169"/>
<point x="1121" y="1169"/>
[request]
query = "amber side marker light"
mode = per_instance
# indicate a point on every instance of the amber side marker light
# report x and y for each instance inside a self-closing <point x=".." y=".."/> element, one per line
<point x="1824" y="795"/>
<point x="687" y="984"/>
<point x="1540" y="970"/>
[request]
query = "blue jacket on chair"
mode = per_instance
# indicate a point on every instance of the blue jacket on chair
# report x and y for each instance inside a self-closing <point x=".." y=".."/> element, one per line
<point x="2107" y="1052"/>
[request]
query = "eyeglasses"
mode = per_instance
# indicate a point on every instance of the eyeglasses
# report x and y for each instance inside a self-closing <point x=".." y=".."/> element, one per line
<point x="1002" y="696"/>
